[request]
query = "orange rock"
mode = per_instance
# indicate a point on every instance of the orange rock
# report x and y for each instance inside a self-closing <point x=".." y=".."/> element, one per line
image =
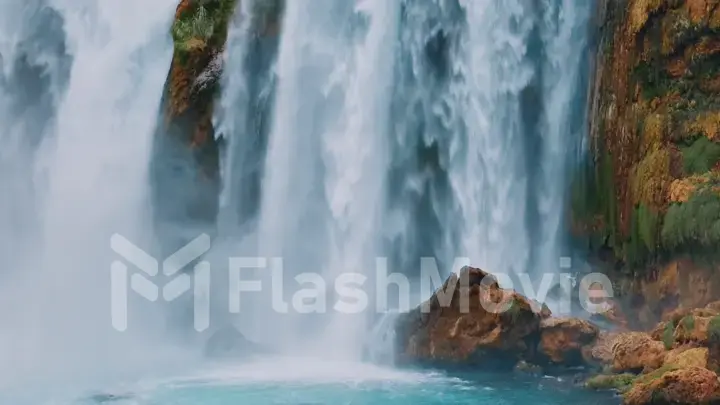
<point x="469" y="319"/>
<point x="691" y="385"/>
<point x="683" y="357"/>
<point x="563" y="340"/>
<point x="636" y="351"/>
<point x="602" y="349"/>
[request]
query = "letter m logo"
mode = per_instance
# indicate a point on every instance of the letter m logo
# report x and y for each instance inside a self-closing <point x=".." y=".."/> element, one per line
<point x="141" y="284"/>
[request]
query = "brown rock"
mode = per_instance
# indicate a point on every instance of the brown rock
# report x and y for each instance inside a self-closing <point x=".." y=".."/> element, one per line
<point x="636" y="351"/>
<point x="692" y="329"/>
<point x="562" y="340"/>
<point x="470" y="319"/>
<point x="684" y="357"/>
<point x="692" y="385"/>
<point x="602" y="349"/>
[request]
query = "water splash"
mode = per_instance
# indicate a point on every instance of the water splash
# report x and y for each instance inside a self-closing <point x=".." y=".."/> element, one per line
<point x="94" y="162"/>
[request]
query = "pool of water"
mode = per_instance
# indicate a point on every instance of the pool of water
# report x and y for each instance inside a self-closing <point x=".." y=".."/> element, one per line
<point x="308" y="382"/>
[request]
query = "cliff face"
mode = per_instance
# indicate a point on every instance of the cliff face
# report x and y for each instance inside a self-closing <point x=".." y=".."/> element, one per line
<point x="186" y="165"/>
<point x="649" y="201"/>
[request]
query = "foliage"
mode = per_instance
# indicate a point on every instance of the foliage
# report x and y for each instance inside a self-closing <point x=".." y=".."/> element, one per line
<point x="651" y="179"/>
<point x="619" y="382"/>
<point x="648" y="226"/>
<point x="668" y="336"/>
<point x="714" y="328"/>
<point x="688" y="322"/>
<point x="204" y="24"/>
<point x="655" y="374"/>
<point x="695" y="222"/>
<point x="194" y="31"/>
<point x="700" y="156"/>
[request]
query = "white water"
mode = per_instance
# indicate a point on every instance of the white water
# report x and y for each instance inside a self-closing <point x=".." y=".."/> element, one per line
<point x="327" y="153"/>
<point x="485" y="168"/>
<point x="363" y="100"/>
<point x="93" y="182"/>
<point x="326" y="202"/>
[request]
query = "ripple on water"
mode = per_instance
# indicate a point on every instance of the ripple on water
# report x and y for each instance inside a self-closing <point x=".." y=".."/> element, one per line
<point x="301" y="381"/>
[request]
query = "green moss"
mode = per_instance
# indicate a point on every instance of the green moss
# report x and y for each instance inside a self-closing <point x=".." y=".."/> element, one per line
<point x="714" y="328"/>
<point x="651" y="178"/>
<point x="678" y="30"/>
<point x="205" y="24"/>
<point x="619" y="382"/>
<point x="688" y="322"/>
<point x="700" y="155"/>
<point x="654" y="375"/>
<point x="668" y="336"/>
<point x="653" y="80"/>
<point x="649" y="226"/>
<point x="695" y="222"/>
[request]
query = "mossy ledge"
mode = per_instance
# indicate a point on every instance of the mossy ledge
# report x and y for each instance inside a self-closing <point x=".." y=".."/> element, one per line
<point x="651" y="191"/>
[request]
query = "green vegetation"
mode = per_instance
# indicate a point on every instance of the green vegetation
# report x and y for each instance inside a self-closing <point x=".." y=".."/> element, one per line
<point x="700" y="155"/>
<point x="668" y="336"/>
<point x="695" y="222"/>
<point x="688" y="323"/>
<point x="204" y="24"/>
<point x="654" y="375"/>
<point x="648" y="226"/>
<point x="620" y="382"/>
<point x="714" y="328"/>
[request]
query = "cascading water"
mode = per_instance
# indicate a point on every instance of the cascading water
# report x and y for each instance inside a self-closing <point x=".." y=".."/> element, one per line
<point x="457" y="149"/>
<point x="324" y="173"/>
<point x="92" y="183"/>
<point x="365" y="129"/>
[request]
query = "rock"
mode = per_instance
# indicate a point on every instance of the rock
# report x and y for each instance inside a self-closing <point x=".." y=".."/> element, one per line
<point x="619" y="382"/>
<point x="524" y="367"/>
<point x="614" y="315"/>
<point x="566" y="341"/>
<point x="469" y="320"/>
<point x="692" y="385"/>
<point x="687" y="357"/>
<point x="692" y="329"/>
<point x="601" y="351"/>
<point x="228" y="342"/>
<point x="636" y="351"/>
<point x="677" y="315"/>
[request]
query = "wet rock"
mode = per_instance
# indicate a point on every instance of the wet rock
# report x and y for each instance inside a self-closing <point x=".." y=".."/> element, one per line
<point x="692" y="385"/>
<point x="524" y="367"/>
<point x="684" y="357"/>
<point x="636" y="351"/>
<point x="470" y="320"/>
<point x="567" y="341"/>
<point x="601" y="351"/>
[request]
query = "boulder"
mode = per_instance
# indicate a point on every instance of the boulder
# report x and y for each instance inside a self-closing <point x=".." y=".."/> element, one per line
<point x="684" y="357"/>
<point x="601" y="351"/>
<point x="691" y="385"/>
<point x="471" y="319"/>
<point x="567" y="341"/>
<point x="636" y="351"/>
<point x="692" y="329"/>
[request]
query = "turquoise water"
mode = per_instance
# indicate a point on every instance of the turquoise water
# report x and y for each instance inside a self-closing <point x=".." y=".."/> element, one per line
<point x="312" y="383"/>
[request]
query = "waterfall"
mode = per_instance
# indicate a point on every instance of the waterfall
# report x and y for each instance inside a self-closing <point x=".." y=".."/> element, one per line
<point x="403" y="129"/>
<point x="92" y="165"/>
<point x="324" y="173"/>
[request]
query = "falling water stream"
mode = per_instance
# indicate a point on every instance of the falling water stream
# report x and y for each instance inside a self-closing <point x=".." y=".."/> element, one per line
<point x="392" y="129"/>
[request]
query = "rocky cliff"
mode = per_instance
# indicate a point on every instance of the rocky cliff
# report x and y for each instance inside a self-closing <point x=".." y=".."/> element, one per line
<point x="648" y="202"/>
<point x="186" y="165"/>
